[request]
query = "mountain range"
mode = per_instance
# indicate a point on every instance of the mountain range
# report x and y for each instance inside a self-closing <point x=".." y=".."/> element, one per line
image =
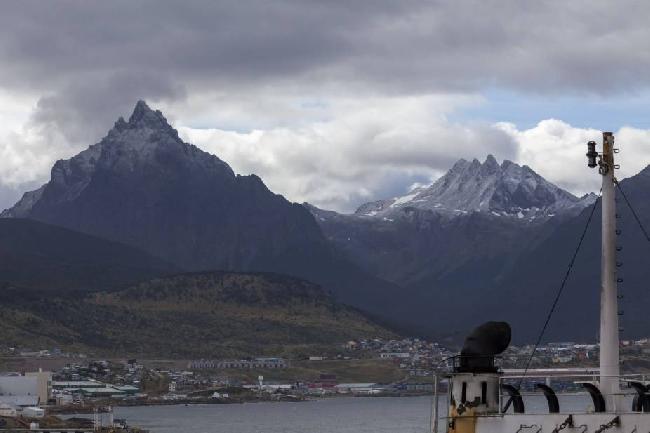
<point x="484" y="241"/>
<point x="489" y="241"/>
<point x="506" y="190"/>
<point x="472" y="221"/>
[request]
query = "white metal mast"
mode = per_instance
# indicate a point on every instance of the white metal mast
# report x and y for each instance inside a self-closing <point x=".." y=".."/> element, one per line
<point x="609" y="339"/>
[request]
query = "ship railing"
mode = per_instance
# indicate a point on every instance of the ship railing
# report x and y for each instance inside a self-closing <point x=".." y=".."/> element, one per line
<point x="574" y="392"/>
<point x="489" y="363"/>
<point x="572" y="399"/>
<point x="572" y="387"/>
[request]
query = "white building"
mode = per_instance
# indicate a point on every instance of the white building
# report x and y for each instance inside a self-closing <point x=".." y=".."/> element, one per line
<point x="18" y="391"/>
<point x="31" y="389"/>
<point x="358" y="388"/>
<point x="33" y="412"/>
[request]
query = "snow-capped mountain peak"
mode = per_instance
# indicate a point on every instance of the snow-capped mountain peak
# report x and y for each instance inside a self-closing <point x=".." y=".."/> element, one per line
<point x="146" y="140"/>
<point x="505" y="190"/>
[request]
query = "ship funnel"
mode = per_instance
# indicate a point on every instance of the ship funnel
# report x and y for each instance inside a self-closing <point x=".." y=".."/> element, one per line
<point x="482" y="345"/>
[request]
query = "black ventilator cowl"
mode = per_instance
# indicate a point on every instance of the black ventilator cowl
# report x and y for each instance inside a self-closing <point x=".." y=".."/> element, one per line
<point x="482" y="345"/>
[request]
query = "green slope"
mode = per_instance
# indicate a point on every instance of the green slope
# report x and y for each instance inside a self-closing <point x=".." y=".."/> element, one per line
<point x="217" y="314"/>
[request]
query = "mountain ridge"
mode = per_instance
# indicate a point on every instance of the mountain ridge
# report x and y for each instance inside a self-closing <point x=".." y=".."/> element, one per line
<point x="142" y="186"/>
<point x="505" y="190"/>
<point x="141" y="174"/>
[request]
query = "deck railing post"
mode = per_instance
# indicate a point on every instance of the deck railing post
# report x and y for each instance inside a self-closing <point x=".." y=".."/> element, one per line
<point x="435" y="404"/>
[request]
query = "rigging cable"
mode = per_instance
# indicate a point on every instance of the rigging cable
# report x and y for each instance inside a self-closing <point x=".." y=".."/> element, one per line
<point x="634" y="213"/>
<point x="636" y="216"/>
<point x="559" y="292"/>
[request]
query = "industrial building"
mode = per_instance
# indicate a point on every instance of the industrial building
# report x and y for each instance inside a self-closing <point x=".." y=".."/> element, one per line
<point x="20" y="392"/>
<point x="94" y="389"/>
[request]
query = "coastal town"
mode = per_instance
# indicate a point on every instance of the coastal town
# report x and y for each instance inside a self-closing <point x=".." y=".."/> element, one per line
<point x="36" y="385"/>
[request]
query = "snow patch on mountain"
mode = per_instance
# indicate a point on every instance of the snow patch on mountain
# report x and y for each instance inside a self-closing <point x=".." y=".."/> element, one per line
<point x="404" y="199"/>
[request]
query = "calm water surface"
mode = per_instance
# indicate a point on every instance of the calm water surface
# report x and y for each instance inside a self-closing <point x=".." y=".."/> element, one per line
<point x="337" y="415"/>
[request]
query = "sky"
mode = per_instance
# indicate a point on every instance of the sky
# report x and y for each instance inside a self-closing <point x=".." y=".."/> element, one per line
<point x="332" y="102"/>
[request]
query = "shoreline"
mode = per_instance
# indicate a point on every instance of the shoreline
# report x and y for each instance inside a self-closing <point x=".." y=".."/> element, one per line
<point x="103" y="406"/>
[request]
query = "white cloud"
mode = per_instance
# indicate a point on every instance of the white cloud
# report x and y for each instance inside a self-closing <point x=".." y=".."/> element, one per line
<point x="368" y="149"/>
<point x="410" y="46"/>
<point x="338" y="152"/>
<point x="383" y="147"/>
<point x="556" y="150"/>
<point x="28" y="148"/>
<point x="332" y="151"/>
<point x="319" y="100"/>
<point x="26" y="157"/>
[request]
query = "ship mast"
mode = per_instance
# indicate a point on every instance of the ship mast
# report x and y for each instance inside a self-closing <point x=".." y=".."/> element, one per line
<point x="609" y="338"/>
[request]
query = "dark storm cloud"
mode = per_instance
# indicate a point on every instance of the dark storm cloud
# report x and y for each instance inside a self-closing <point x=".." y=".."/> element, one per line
<point x="189" y="40"/>
<point x="406" y="46"/>
<point x="92" y="56"/>
<point x="247" y="65"/>
<point x="83" y="110"/>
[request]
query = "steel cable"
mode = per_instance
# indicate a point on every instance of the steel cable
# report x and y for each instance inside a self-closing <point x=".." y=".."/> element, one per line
<point x="559" y="292"/>
<point x="636" y="216"/>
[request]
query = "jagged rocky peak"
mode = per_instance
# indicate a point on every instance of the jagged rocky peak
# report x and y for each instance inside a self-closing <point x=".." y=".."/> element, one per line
<point x="146" y="140"/>
<point x="145" y="130"/>
<point x="501" y="190"/>
<point x="142" y="114"/>
<point x="144" y="117"/>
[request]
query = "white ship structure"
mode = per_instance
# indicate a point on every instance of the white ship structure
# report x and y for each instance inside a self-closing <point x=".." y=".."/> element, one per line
<point x="484" y="399"/>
